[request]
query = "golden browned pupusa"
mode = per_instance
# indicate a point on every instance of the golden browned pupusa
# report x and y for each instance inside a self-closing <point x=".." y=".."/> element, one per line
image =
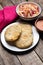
<point x="13" y="32"/>
<point x="26" y="37"/>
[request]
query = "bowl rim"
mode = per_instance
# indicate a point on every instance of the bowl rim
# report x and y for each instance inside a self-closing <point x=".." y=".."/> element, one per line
<point x="40" y="9"/>
<point x="40" y="18"/>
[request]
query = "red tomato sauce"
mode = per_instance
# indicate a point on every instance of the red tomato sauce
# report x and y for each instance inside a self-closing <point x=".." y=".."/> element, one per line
<point x="40" y="25"/>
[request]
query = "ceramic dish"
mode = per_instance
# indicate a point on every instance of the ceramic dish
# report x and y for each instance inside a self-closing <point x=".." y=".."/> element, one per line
<point x="39" y="24"/>
<point x="13" y="48"/>
<point x="28" y="11"/>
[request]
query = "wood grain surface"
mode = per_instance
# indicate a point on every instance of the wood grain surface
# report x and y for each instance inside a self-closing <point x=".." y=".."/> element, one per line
<point x="34" y="57"/>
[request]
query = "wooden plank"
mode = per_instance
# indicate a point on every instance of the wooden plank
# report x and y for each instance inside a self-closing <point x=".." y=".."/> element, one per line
<point x="16" y="2"/>
<point x="41" y="4"/>
<point x="0" y="1"/>
<point x="6" y="3"/>
<point x="31" y="0"/>
<point x="39" y="50"/>
<point x="7" y="58"/>
<point x="19" y="1"/>
<point x="1" y="61"/>
<point x="23" y="0"/>
<point x="13" y="1"/>
<point x="1" y="7"/>
<point x="0" y="37"/>
<point x="30" y="59"/>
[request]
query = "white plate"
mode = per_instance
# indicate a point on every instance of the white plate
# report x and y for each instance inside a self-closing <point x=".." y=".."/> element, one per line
<point x="13" y="48"/>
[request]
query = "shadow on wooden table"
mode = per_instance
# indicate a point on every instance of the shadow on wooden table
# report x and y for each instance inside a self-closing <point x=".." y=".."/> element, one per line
<point x="19" y="53"/>
<point x="27" y="21"/>
<point x="41" y="35"/>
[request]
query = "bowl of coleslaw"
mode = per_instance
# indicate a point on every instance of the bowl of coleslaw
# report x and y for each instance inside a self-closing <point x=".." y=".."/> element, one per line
<point x="28" y="10"/>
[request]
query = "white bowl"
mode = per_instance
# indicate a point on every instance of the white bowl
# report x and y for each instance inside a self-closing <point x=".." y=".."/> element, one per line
<point x="32" y="18"/>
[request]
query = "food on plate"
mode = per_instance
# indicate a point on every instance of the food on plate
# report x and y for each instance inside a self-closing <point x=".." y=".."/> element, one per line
<point x="20" y="35"/>
<point x="26" y="37"/>
<point x="12" y="33"/>
<point x="28" y="10"/>
<point x="39" y="24"/>
<point x="27" y="27"/>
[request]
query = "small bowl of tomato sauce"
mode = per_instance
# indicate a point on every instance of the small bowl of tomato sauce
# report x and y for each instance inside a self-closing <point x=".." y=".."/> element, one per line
<point x="39" y="24"/>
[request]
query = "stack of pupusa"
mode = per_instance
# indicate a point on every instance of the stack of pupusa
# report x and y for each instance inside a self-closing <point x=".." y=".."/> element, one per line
<point x="19" y="35"/>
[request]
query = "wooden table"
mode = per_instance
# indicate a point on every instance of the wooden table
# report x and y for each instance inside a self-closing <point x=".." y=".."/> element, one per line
<point x="33" y="57"/>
